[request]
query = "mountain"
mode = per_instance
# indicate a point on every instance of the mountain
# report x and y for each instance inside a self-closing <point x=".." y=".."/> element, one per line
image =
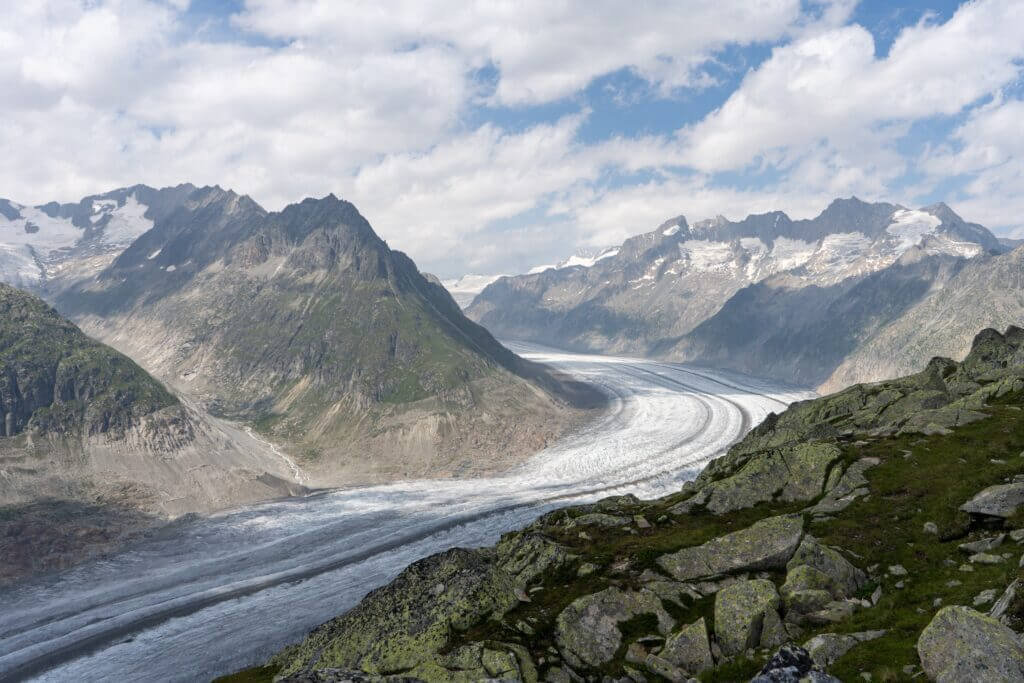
<point x="38" y="242"/>
<point x="306" y="325"/>
<point x="983" y="292"/>
<point x="92" y="447"/>
<point x="874" y="533"/>
<point x="694" y="292"/>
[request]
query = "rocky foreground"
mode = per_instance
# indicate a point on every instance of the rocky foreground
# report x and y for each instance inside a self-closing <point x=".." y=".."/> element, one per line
<point x="874" y="534"/>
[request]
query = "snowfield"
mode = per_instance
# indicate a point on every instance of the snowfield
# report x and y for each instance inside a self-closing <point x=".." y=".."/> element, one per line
<point x="209" y="597"/>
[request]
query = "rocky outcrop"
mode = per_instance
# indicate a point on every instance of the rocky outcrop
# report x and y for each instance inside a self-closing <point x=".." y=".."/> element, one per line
<point x="768" y="544"/>
<point x="961" y="644"/>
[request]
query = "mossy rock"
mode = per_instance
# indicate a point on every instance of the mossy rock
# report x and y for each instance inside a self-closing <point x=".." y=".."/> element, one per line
<point x="768" y="544"/>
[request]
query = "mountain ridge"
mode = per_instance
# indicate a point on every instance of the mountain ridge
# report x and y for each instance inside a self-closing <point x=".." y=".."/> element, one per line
<point x="665" y="291"/>
<point x="306" y="324"/>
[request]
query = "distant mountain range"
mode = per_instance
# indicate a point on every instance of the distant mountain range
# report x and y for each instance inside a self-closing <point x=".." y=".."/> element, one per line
<point x="795" y="300"/>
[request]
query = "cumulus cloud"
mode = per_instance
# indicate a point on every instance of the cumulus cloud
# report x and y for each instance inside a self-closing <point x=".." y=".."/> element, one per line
<point x="372" y="101"/>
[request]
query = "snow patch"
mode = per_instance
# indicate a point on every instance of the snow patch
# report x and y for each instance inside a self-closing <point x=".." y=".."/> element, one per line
<point x="670" y="230"/>
<point x="154" y="255"/>
<point x="910" y="227"/>
<point x="126" y="223"/>
<point x="705" y="255"/>
<point x="790" y="253"/>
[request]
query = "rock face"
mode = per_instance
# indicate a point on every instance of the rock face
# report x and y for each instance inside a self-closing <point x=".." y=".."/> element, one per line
<point x="587" y="632"/>
<point x="814" y="292"/>
<point x="741" y="610"/>
<point x="306" y="324"/>
<point x="961" y="644"/>
<point x="768" y="544"/>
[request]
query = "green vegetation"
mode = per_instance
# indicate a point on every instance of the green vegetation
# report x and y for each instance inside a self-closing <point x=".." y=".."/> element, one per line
<point x="55" y="379"/>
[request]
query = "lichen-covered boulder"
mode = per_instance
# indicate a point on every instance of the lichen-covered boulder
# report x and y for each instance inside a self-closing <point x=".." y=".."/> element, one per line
<point x="844" y="578"/>
<point x="407" y="622"/>
<point x="826" y="648"/>
<point x="689" y="649"/>
<point x="601" y="519"/>
<point x="740" y="613"/>
<point x="768" y="544"/>
<point x="961" y="644"/>
<point x="789" y="473"/>
<point x="1002" y="500"/>
<point x="526" y="556"/>
<point x="587" y="631"/>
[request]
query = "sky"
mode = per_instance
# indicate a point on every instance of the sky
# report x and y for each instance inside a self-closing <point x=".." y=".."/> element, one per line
<point x="491" y="137"/>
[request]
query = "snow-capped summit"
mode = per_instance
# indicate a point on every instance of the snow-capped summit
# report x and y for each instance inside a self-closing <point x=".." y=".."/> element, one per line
<point x="656" y="287"/>
<point x="35" y="241"/>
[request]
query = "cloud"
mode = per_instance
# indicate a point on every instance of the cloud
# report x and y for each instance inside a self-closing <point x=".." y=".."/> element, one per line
<point x="543" y="50"/>
<point x="465" y="131"/>
<point x="987" y="149"/>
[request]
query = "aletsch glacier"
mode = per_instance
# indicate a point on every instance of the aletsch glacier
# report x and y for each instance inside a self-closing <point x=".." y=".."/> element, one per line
<point x="254" y="579"/>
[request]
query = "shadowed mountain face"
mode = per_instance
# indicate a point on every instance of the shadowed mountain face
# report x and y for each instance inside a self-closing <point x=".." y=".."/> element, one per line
<point x="305" y="323"/>
<point x="766" y="295"/>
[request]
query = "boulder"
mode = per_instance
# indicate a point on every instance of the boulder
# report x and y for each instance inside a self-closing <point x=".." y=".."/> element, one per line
<point x="961" y="644"/>
<point x="601" y="519"/>
<point x="740" y="613"/>
<point x="587" y="631"/>
<point x="689" y="649"/>
<point x="983" y="545"/>
<point x="792" y="664"/>
<point x="790" y="473"/>
<point x="845" y="579"/>
<point x="1002" y="605"/>
<point x="526" y="556"/>
<point x="1001" y="500"/>
<point x="826" y="648"/>
<point x="768" y="544"/>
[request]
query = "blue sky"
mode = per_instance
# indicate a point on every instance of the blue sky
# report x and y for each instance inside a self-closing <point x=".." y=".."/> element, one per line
<point x="491" y="137"/>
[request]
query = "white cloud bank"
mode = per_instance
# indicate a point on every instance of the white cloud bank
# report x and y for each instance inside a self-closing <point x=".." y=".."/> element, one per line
<point x="370" y="100"/>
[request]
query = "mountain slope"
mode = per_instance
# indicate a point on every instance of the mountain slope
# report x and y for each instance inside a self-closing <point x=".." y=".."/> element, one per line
<point x="306" y="324"/>
<point x="875" y="531"/>
<point x="985" y="292"/>
<point x="782" y="327"/>
<point x="691" y="292"/>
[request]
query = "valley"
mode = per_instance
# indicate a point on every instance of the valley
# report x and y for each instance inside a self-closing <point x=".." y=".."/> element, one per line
<point x="253" y="579"/>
